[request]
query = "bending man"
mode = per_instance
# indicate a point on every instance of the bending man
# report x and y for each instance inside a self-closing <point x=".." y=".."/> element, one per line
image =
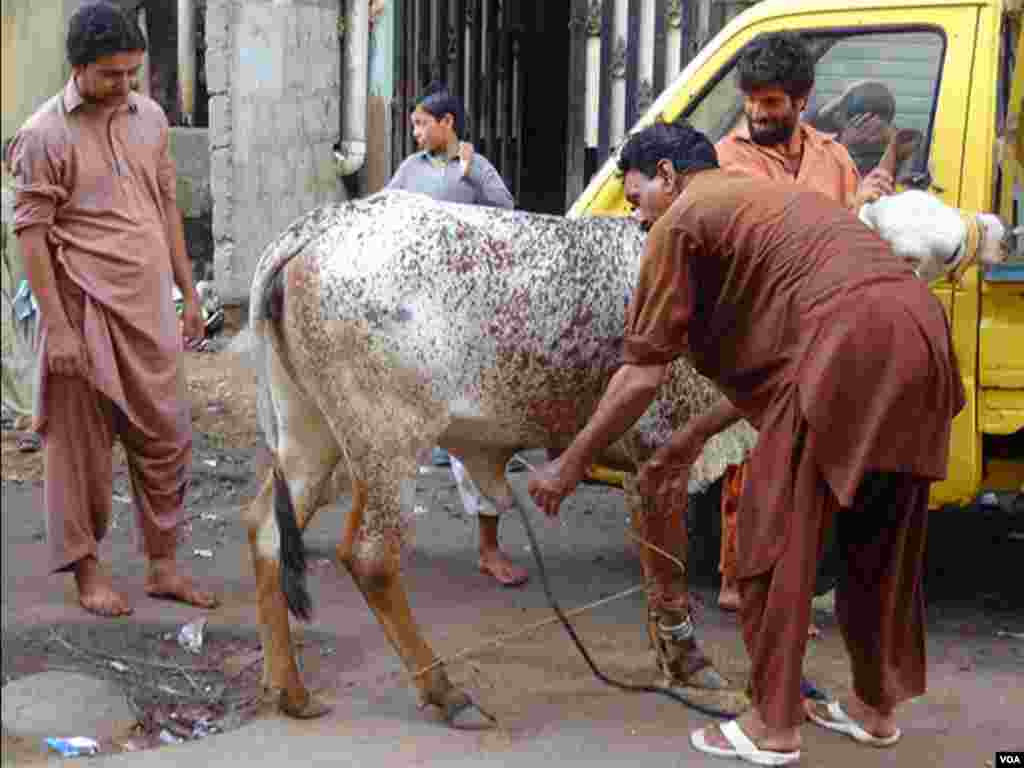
<point x="796" y="311"/>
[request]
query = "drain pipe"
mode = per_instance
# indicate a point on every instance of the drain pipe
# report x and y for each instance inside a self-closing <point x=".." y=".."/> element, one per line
<point x="187" y="59"/>
<point x="354" y="30"/>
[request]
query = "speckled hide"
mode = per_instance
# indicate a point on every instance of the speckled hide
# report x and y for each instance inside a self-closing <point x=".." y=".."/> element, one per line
<point x="411" y="323"/>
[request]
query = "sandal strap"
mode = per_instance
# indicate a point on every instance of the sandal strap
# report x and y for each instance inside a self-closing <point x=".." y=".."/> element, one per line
<point x="739" y="740"/>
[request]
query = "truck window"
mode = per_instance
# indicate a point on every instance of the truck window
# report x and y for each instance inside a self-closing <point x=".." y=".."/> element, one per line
<point x="894" y="74"/>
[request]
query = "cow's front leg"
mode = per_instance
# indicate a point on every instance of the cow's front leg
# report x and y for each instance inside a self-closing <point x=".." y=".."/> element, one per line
<point x="280" y="671"/>
<point x="669" y="621"/>
<point x="372" y="557"/>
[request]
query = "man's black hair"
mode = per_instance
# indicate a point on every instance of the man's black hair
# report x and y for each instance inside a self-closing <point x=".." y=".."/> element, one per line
<point x="438" y="100"/>
<point x="687" y="148"/>
<point x="777" y="59"/>
<point x="101" y="29"/>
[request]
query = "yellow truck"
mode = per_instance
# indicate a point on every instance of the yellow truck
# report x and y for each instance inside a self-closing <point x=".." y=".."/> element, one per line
<point x="954" y="71"/>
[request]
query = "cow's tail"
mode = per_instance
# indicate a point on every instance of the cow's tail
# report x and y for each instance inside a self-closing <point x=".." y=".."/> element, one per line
<point x="267" y="310"/>
<point x="293" y="552"/>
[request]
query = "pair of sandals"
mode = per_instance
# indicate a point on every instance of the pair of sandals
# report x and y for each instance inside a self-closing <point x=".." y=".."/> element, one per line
<point x="743" y="748"/>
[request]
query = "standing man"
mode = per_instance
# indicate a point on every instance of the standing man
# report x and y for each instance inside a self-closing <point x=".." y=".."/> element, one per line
<point x="447" y="168"/>
<point x="796" y="311"/>
<point x="103" y="245"/>
<point x="776" y="74"/>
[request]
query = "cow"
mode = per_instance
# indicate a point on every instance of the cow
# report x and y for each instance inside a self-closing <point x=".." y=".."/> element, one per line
<point x="393" y="323"/>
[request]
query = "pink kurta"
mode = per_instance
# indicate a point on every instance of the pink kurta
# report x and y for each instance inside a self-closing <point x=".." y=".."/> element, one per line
<point x="102" y="183"/>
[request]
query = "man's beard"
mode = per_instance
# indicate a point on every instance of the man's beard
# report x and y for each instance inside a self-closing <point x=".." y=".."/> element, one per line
<point x="773" y="132"/>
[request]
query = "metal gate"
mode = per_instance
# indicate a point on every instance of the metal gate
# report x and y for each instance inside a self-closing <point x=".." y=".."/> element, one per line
<point x="625" y="53"/>
<point x="474" y="46"/>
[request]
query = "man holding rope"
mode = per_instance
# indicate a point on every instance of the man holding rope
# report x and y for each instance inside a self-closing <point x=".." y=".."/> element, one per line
<point x="798" y="313"/>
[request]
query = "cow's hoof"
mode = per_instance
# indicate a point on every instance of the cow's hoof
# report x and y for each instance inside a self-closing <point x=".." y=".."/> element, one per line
<point x="309" y="709"/>
<point x="463" y="713"/>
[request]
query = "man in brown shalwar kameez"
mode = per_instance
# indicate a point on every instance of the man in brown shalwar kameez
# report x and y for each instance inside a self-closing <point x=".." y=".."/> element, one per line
<point x="103" y="244"/>
<point x="825" y="341"/>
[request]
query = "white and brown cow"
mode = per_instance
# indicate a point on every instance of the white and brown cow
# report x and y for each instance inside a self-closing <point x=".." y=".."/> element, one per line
<point x="394" y="323"/>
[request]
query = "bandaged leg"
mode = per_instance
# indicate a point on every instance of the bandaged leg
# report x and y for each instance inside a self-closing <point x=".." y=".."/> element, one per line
<point x="662" y="535"/>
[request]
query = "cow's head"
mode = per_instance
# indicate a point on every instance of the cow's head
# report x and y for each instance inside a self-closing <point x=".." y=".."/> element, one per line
<point x="999" y="243"/>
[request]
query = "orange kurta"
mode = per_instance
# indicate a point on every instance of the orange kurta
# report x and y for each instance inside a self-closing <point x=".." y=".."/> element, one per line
<point x="826" y="166"/>
<point x="842" y="358"/>
<point x="102" y="183"/>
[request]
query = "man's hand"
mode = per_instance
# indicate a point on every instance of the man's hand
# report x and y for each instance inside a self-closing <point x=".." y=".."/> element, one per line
<point x="665" y="476"/>
<point x="552" y="482"/>
<point x="65" y="353"/>
<point x="466" y="152"/>
<point x="876" y="184"/>
<point x="865" y="128"/>
<point x="192" y="320"/>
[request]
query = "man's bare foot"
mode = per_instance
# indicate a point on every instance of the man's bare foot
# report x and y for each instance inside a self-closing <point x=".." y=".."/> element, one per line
<point x="164" y="581"/>
<point x="96" y="592"/>
<point x="773" y="740"/>
<point x="504" y="571"/>
<point x="729" y="598"/>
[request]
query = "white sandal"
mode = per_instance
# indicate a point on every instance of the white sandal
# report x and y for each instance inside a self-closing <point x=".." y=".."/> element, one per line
<point x="741" y="747"/>
<point x="842" y="723"/>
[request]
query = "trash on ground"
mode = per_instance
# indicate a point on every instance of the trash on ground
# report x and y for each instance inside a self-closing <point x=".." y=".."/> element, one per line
<point x="122" y="499"/>
<point x="117" y="666"/>
<point x="210" y="462"/>
<point x="190" y="637"/>
<point x="203" y="553"/>
<point x="167" y="737"/>
<point x="76" y="746"/>
<point x="1011" y="635"/>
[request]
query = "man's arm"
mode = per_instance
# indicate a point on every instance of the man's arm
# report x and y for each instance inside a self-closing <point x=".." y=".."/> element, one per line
<point x="66" y="354"/>
<point x="488" y="183"/>
<point x="630" y="391"/>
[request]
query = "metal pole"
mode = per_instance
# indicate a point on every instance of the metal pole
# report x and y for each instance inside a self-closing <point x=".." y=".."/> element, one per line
<point x="187" y="59"/>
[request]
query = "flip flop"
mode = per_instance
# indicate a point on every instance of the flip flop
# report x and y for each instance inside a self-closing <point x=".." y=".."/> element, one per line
<point x="841" y="722"/>
<point x="741" y="747"/>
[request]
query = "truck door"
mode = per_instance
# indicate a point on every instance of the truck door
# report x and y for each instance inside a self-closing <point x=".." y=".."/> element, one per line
<point x="1001" y="328"/>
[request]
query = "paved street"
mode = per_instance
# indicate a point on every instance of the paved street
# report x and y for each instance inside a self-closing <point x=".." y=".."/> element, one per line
<point x="549" y="706"/>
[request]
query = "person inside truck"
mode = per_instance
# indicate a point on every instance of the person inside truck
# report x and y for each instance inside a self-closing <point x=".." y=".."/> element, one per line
<point x="861" y="117"/>
<point x="776" y="76"/>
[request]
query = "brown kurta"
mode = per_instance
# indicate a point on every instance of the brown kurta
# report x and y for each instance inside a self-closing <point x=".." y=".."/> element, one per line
<point x="827" y="343"/>
<point x="103" y="184"/>
<point x="826" y="166"/>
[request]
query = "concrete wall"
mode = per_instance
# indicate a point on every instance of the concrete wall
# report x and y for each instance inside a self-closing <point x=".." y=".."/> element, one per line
<point x="190" y="148"/>
<point x="273" y="69"/>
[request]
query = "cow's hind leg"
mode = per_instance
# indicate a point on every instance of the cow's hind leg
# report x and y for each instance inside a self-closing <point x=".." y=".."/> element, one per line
<point x="371" y="553"/>
<point x="669" y="623"/>
<point x="305" y="456"/>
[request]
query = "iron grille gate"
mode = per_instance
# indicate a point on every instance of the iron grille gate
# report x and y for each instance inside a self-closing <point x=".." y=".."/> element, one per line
<point x="474" y="46"/>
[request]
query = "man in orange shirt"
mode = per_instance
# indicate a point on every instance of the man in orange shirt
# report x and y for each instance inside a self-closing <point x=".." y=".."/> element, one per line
<point x="776" y="74"/>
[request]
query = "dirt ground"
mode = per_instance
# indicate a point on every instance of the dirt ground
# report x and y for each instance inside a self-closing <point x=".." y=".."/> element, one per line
<point x="529" y="682"/>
